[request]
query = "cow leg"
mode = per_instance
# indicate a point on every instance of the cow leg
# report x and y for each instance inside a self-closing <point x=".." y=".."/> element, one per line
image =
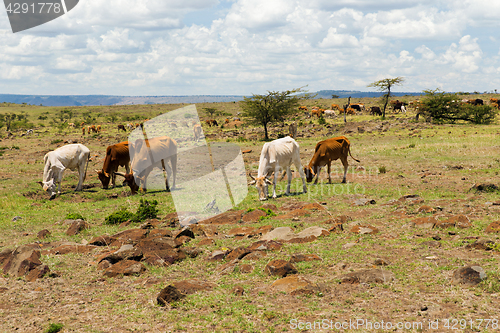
<point x="173" y="162"/>
<point x="328" y="166"/>
<point x="81" y="178"/>
<point x="317" y="176"/>
<point x="289" y="177"/>
<point x="58" y="180"/>
<point x="346" y="165"/>
<point x="276" y="173"/>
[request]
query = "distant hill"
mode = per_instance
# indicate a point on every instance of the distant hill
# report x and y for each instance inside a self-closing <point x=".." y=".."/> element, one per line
<point x="90" y="100"/>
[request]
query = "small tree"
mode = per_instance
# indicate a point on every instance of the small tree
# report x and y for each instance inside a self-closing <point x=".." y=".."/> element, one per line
<point x="210" y="111"/>
<point x="447" y="107"/>
<point x="386" y="85"/>
<point x="275" y="106"/>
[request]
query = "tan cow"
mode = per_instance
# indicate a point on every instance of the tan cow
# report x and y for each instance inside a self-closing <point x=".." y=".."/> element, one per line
<point x="148" y="154"/>
<point x="325" y="152"/>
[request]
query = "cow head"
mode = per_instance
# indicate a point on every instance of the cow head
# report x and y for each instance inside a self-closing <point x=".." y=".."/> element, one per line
<point x="261" y="183"/>
<point x="308" y="171"/>
<point x="50" y="186"/>
<point x="104" y="178"/>
<point x="130" y="181"/>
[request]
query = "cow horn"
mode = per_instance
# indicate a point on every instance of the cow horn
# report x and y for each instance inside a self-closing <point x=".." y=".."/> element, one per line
<point x="268" y="181"/>
<point x="105" y="173"/>
<point x="251" y="176"/>
<point x="120" y="174"/>
<point x="253" y="179"/>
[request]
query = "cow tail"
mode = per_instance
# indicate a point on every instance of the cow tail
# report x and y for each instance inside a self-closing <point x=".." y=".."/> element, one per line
<point x="349" y="150"/>
<point x="86" y="167"/>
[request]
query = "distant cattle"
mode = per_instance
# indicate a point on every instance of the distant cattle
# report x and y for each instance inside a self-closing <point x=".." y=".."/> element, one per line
<point x="375" y="110"/>
<point x="358" y="107"/>
<point x="397" y="105"/>
<point x="324" y="153"/>
<point x="116" y="155"/>
<point x="73" y="157"/>
<point x="474" y="101"/>
<point x="336" y="107"/>
<point x="98" y="128"/>
<point x="91" y="128"/>
<point x="130" y="126"/>
<point x="211" y="122"/>
<point x="72" y="125"/>
<point x="276" y="155"/>
<point x="148" y="154"/>
<point x="330" y="114"/>
<point x="28" y="132"/>
<point x="121" y="127"/>
<point x="303" y="108"/>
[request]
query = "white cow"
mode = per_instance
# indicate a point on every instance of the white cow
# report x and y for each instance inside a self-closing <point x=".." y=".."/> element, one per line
<point x="74" y="156"/>
<point x="330" y="114"/>
<point x="280" y="153"/>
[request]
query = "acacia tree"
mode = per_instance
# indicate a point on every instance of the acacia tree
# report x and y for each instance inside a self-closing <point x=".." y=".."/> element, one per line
<point x="275" y="106"/>
<point x="386" y="85"/>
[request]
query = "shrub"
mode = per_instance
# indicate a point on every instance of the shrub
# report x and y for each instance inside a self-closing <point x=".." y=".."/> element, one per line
<point x="146" y="210"/>
<point x="54" y="328"/>
<point x="382" y="169"/>
<point x="321" y="120"/>
<point x="119" y="216"/>
<point x="74" y="216"/>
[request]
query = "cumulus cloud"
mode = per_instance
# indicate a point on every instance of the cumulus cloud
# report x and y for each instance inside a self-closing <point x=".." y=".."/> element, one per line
<point x="132" y="47"/>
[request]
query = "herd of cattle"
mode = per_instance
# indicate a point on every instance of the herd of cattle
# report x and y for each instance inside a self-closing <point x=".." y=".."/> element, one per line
<point x="161" y="151"/>
<point x="275" y="155"/>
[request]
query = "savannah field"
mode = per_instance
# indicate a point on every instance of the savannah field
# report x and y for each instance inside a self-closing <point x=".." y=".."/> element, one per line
<point x="418" y="207"/>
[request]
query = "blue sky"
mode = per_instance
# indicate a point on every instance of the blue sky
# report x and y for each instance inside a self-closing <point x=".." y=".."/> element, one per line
<point x="240" y="47"/>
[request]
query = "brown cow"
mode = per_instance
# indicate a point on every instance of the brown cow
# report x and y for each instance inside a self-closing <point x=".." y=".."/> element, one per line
<point x="91" y="128"/>
<point x="116" y="155"/>
<point x="121" y="127"/>
<point x="325" y="152"/>
<point x="303" y="108"/>
<point x="336" y="107"/>
<point x="98" y="128"/>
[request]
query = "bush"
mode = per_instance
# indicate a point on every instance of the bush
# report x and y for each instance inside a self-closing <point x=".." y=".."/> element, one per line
<point x="382" y="169"/>
<point x="119" y="216"/>
<point x="146" y="210"/>
<point x="446" y="107"/>
<point x="54" y="328"/>
<point x="74" y="216"/>
<point x="321" y="120"/>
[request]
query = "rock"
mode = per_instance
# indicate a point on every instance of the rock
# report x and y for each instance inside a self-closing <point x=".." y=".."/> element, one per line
<point x="187" y="221"/>
<point x="246" y="268"/>
<point x="21" y="261"/>
<point x="279" y="234"/>
<point x="126" y="268"/>
<point x="253" y="216"/>
<point x="129" y="236"/>
<point x="280" y="268"/>
<point x="411" y="199"/>
<point x="70" y="247"/>
<point x="293" y="214"/>
<point x="237" y="253"/>
<point x="37" y="273"/>
<point x="494" y="227"/>
<point x="255" y="255"/>
<point x="481" y="244"/>
<point x="297" y="285"/>
<point x="156" y="244"/>
<point x="238" y="291"/>
<point x="229" y="217"/>
<point x="192" y="252"/>
<point x="368" y="276"/>
<point x="470" y="275"/>
<point x="484" y="187"/>
<point x="191" y="286"/>
<point x="204" y="230"/>
<point x="125" y="252"/>
<point x="263" y="245"/>
<point x="186" y="231"/>
<point x="348" y="246"/>
<point x="364" y="202"/>
<point x="159" y="233"/>
<point x="206" y="241"/>
<point x="43" y="234"/>
<point x="182" y="240"/>
<point x="286" y="234"/>
<point x="164" y="258"/>
<point x="169" y="295"/>
<point x="76" y="227"/>
<point x="364" y="230"/>
<point x="104" y="240"/>
<point x="304" y="257"/>
<point x="426" y="209"/>
<point x="425" y="222"/>
<point x="217" y="255"/>
<point x="381" y="262"/>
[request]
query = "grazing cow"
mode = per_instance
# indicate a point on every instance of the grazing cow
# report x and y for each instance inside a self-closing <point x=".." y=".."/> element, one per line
<point x="211" y="122"/>
<point x="82" y="124"/>
<point x="358" y="107"/>
<point x="197" y="132"/>
<point x="330" y="114"/>
<point x="474" y="101"/>
<point x="280" y="153"/>
<point x="121" y="127"/>
<point x="72" y="125"/>
<point x="398" y="105"/>
<point x="226" y="121"/>
<point x="317" y="112"/>
<point x="73" y="156"/>
<point x="375" y="110"/>
<point x="336" y="107"/>
<point x="116" y="155"/>
<point x="292" y="128"/>
<point x="28" y="132"/>
<point x="325" y="152"/>
<point x="148" y="154"/>
<point x="83" y="131"/>
<point x="98" y="129"/>
<point x="130" y="126"/>
<point x="91" y="128"/>
<point x="302" y="108"/>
